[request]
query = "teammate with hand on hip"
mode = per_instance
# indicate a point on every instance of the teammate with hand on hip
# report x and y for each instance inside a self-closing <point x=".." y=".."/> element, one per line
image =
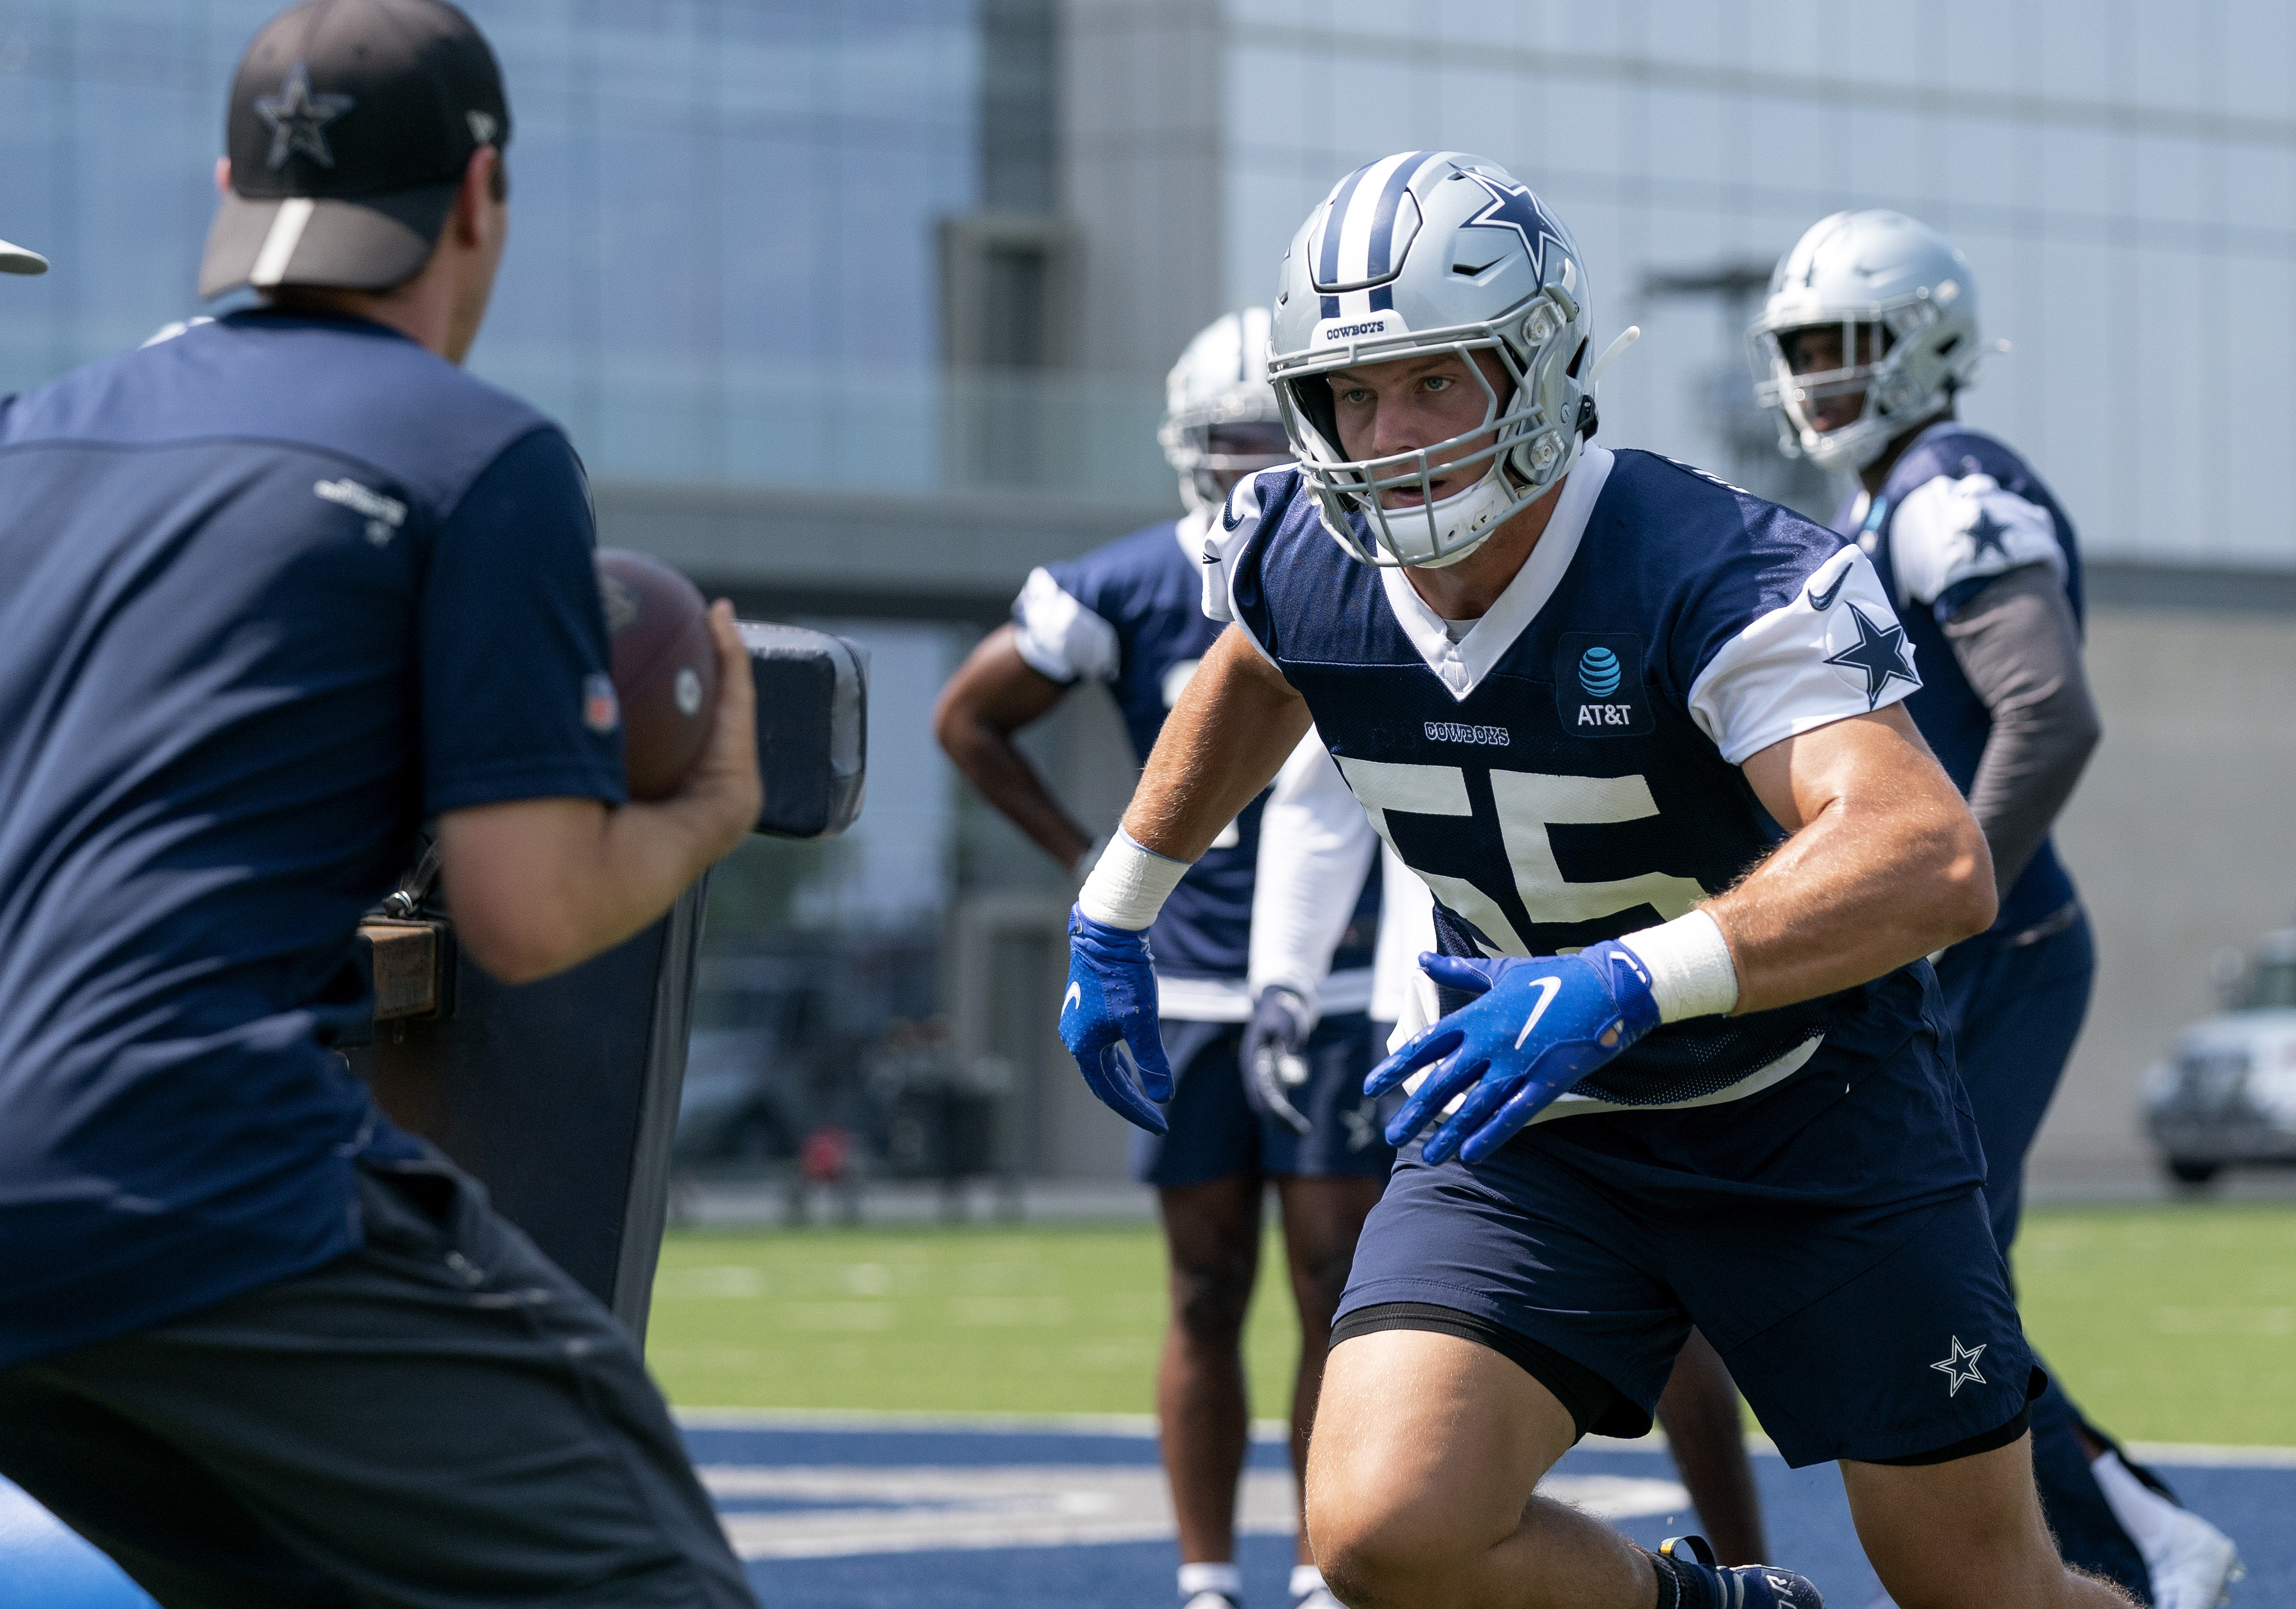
<point x="1604" y="704"/>
<point x="1869" y="336"/>
<point x="1252" y="1071"/>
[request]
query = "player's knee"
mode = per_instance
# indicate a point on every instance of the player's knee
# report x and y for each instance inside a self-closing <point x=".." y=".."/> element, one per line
<point x="1210" y="1301"/>
<point x="1381" y="1546"/>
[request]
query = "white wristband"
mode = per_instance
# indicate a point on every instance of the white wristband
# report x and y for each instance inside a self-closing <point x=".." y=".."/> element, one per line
<point x="1692" y="974"/>
<point x="1128" y="884"/>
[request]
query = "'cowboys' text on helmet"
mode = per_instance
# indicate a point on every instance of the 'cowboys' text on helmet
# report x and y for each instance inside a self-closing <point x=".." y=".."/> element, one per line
<point x="1221" y="418"/>
<point x="1905" y="306"/>
<point x="1421" y="253"/>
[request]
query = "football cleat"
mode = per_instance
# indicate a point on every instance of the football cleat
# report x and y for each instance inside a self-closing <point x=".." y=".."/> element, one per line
<point x="1211" y="1600"/>
<point x="2193" y="1564"/>
<point x="1690" y="1578"/>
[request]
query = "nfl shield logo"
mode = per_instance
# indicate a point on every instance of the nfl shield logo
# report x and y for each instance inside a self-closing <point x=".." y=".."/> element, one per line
<point x="601" y="712"/>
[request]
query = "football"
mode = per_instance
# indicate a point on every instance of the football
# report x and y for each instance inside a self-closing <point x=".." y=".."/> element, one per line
<point x="665" y="668"/>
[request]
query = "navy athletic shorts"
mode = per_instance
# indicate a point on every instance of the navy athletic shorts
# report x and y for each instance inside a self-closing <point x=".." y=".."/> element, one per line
<point x="1217" y="1135"/>
<point x="1861" y="1322"/>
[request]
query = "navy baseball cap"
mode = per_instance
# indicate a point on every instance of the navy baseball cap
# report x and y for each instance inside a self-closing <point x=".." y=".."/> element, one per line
<point x="352" y="123"/>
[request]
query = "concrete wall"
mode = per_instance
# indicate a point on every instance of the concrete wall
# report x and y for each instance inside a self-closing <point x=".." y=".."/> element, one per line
<point x="1140" y="90"/>
<point x="2183" y="839"/>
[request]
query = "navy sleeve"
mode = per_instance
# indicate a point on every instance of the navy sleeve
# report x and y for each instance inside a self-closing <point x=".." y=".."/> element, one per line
<point x="513" y="640"/>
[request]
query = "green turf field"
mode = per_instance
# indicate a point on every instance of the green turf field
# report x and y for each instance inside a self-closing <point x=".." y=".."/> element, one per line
<point x="2170" y="1323"/>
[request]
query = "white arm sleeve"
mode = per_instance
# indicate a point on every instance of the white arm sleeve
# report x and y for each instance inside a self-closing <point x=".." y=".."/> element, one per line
<point x="1833" y="650"/>
<point x="1401" y="992"/>
<point x="1314" y="852"/>
<point x="1058" y="637"/>
<point x="1949" y="531"/>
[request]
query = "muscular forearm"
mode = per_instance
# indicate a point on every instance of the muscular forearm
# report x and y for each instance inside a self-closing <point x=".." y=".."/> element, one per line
<point x="993" y="694"/>
<point x="1224" y="742"/>
<point x="2018" y="645"/>
<point x="1884" y="865"/>
<point x="583" y="879"/>
<point x="993" y="764"/>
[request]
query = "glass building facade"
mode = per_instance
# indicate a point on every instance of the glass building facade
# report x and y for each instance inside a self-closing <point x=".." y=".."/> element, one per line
<point x="760" y="250"/>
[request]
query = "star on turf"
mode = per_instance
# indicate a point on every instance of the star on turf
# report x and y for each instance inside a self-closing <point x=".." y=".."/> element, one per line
<point x="298" y="118"/>
<point x="1959" y="1367"/>
<point x="1985" y="536"/>
<point x="1880" y="654"/>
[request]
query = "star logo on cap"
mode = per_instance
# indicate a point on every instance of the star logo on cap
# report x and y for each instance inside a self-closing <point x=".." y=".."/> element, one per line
<point x="1959" y="1367"/>
<point x="299" y="120"/>
<point x="1880" y="654"/>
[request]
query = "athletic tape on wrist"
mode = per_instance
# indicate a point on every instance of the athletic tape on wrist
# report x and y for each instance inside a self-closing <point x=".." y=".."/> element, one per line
<point x="1692" y="974"/>
<point x="1129" y="884"/>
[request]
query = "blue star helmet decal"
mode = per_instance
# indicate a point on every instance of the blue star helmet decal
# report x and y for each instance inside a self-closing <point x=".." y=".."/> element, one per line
<point x="1515" y="206"/>
<point x="1880" y="654"/>
<point x="1985" y="536"/>
<point x="299" y="120"/>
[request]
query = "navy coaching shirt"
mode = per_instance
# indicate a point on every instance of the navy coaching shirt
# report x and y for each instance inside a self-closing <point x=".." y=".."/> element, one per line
<point x="277" y="589"/>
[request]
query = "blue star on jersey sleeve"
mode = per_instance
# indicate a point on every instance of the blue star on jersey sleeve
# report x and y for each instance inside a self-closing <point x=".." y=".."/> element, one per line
<point x="1880" y="653"/>
<point x="1952" y="530"/>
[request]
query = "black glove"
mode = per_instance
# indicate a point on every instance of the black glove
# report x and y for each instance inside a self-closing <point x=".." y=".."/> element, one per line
<point x="1272" y="1063"/>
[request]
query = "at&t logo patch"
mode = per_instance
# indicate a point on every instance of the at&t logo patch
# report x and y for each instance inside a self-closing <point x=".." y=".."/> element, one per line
<point x="1598" y="686"/>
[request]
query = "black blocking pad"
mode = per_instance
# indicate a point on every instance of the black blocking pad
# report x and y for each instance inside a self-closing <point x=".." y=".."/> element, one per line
<point x="560" y="1097"/>
<point x="813" y="728"/>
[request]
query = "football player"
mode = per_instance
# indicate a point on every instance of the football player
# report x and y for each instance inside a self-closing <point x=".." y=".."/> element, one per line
<point x="1302" y="839"/>
<point x="1639" y="733"/>
<point x="1127" y="614"/>
<point x="1869" y="335"/>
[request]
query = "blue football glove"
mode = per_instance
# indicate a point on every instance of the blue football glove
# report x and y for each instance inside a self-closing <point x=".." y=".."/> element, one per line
<point x="1541" y="1025"/>
<point x="1111" y="1007"/>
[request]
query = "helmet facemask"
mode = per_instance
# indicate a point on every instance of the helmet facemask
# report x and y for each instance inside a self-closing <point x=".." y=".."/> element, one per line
<point x="1212" y="454"/>
<point x="1526" y="442"/>
<point x="1896" y="354"/>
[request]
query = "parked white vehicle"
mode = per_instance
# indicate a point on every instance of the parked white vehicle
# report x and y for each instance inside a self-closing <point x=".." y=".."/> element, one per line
<point x="2228" y="1095"/>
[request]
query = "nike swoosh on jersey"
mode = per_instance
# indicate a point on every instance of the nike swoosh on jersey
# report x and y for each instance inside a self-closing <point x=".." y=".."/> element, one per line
<point x="1074" y="997"/>
<point x="1822" y="601"/>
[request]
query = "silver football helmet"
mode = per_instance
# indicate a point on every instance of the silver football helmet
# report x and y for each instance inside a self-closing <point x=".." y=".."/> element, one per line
<point x="1906" y="303"/>
<point x="1221" y="418"/>
<point x="1422" y="252"/>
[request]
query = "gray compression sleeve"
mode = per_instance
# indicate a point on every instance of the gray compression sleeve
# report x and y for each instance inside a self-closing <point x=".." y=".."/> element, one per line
<point x="2018" y="645"/>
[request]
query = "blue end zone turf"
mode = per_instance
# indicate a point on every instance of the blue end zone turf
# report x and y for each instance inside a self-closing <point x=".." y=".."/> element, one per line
<point x="845" y="1512"/>
<point x="1054" y="1518"/>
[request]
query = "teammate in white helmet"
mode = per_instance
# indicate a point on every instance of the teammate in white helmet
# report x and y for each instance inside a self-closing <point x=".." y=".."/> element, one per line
<point x="1869" y="337"/>
<point x="1638" y="734"/>
<point x="1269" y="1078"/>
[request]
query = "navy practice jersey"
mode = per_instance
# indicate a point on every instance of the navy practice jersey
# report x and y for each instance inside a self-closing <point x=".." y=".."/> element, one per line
<point x="1568" y="769"/>
<point x="1129" y="614"/>
<point x="1958" y="510"/>
<point x="278" y="588"/>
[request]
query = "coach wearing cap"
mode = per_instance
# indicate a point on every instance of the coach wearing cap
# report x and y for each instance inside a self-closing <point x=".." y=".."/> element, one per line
<point x="279" y="589"/>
